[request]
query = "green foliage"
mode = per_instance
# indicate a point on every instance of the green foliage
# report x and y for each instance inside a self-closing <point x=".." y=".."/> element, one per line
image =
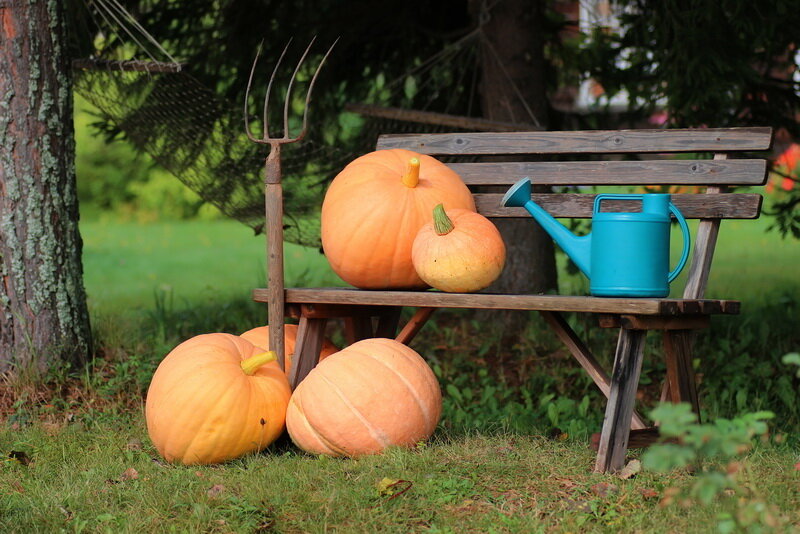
<point x="705" y="447"/>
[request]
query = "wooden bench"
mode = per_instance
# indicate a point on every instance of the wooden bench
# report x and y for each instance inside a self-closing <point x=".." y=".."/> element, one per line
<point x="676" y="318"/>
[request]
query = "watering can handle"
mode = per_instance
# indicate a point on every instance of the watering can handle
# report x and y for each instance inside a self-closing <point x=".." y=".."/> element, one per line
<point x="686" y="240"/>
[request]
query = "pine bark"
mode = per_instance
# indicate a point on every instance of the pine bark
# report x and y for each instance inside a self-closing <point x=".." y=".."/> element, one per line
<point x="44" y="320"/>
<point x="512" y="46"/>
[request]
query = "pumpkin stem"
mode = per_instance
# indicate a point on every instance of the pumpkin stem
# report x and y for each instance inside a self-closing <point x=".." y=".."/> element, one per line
<point x="251" y="364"/>
<point x="441" y="222"/>
<point x="411" y="177"/>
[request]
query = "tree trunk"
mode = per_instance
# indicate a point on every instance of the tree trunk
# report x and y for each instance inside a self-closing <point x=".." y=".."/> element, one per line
<point x="512" y="46"/>
<point x="43" y="315"/>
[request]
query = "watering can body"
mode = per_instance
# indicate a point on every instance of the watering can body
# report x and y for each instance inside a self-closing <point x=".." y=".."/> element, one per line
<point x="626" y="254"/>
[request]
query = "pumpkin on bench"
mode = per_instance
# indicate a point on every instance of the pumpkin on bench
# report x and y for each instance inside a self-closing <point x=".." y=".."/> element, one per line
<point x="676" y="318"/>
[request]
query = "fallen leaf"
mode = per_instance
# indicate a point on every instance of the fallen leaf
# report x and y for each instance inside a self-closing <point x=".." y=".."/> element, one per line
<point x="648" y="493"/>
<point x="797" y="466"/>
<point x="630" y="470"/>
<point x="21" y="457"/>
<point x="669" y="496"/>
<point x="129" y="474"/>
<point x="604" y="489"/>
<point x="215" y="490"/>
<point x="387" y="486"/>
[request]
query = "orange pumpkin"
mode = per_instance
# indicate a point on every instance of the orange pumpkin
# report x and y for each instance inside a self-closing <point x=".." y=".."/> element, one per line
<point x="460" y="251"/>
<point x="371" y="395"/>
<point x="215" y="397"/>
<point x="374" y="209"/>
<point x="259" y="337"/>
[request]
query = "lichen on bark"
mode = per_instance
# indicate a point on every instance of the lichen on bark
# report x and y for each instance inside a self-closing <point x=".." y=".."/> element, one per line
<point x="43" y="315"/>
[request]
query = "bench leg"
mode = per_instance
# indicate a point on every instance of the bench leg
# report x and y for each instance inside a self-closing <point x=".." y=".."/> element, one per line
<point x="585" y="358"/>
<point x="414" y="325"/>
<point x="682" y="384"/>
<point x="624" y="383"/>
<point x="310" y="335"/>
<point x="357" y="328"/>
<point x="387" y="322"/>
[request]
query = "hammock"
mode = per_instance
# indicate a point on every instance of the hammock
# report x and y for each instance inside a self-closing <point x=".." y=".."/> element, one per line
<point x="187" y="129"/>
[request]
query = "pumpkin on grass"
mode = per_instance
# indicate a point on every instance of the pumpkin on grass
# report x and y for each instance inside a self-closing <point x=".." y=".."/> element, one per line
<point x="374" y="209"/>
<point x="215" y="397"/>
<point x="259" y="337"/>
<point x="459" y="252"/>
<point x="374" y="394"/>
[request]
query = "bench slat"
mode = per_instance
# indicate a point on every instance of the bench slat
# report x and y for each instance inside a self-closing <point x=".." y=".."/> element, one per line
<point x="649" y="172"/>
<point x="692" y="206"/>
<point x="435" y="299"/>
<point x="584" y="142"/>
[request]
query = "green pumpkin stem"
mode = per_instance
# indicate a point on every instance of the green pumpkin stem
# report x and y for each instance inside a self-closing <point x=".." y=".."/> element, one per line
<point x="441" y="222"/>
<point x="252" y="364"/>
<point x="411" y="177"/>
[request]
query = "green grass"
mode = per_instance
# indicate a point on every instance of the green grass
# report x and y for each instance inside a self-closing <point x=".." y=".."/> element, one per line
<point x="127" y="263"/>
<point x="490" y="467"/>
<point x="501" y="483"/>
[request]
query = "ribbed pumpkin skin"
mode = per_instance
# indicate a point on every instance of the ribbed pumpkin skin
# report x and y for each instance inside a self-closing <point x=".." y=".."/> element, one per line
<point x="371" y="395"/>
<point x="467" y="259"/>
<point x="370" y="218"/>
<point x="259" y="337"/>
<point x="202" y="408"/>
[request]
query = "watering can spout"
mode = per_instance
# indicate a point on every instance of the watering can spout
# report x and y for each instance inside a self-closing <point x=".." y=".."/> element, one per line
<point x="578" y="248"/>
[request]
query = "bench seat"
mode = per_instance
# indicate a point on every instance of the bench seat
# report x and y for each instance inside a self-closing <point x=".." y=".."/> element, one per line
<point x="560" y="303"/>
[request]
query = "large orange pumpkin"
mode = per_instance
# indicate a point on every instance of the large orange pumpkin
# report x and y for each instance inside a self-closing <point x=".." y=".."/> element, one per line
<point x="374" y="209"/>
<point x="371" y="395"/>
<point x="259" y="337"/>
<point x="460" y="251"/>
<point x="215" y="397"/>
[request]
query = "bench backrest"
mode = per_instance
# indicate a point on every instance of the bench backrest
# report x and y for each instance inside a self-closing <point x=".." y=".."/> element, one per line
<point x="714" y="175"/>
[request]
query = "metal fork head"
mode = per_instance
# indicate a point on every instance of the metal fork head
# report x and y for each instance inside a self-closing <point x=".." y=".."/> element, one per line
<point x="286" y="136"/>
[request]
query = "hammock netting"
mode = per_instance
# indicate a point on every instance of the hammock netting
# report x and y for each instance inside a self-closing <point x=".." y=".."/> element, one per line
<point x="198" y="137"/>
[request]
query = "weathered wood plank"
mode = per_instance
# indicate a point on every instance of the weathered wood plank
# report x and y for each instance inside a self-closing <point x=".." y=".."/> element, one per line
<point x="584" y="142"/>
<point x="692" y="206"/>
<point x="436" y="299"/>
<point x="680" y="373"/>
<point x="624" y="383"/>
<point x="644" y="172"/>
<point x="651" y="322"/>
<point x="414" y="325"/>
<point x="585" y="358"/>
<point x="310" y="335"/>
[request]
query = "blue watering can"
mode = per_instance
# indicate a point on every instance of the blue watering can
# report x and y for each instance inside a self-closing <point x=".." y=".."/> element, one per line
<point x="626" y="254"/>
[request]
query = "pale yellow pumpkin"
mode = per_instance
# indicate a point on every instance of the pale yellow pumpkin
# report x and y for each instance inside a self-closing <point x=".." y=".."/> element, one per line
<point x="459" y="251"/>
<point x="215" y="397"/>
<point x="374" y="208"/>
<point x="369" y="396"/>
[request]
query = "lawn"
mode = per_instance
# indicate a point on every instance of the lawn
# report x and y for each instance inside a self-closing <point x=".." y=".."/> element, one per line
<point x="510" y="454"/>
<point x="127" y="263"/>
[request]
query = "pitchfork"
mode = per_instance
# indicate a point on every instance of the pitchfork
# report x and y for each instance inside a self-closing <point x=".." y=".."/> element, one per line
<point x="273" y="191"/>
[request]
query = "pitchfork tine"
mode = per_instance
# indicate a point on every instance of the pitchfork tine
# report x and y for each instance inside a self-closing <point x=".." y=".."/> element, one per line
<point x="289" y="89"/>
<point x="311" y="88"/>
<point x="247" y="98"/>
<point x="269" y="90"/>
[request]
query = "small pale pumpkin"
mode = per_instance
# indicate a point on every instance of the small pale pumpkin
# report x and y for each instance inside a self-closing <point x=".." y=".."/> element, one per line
<point x="460" y="251"/>
<point x="215" y="397"/>
<point x="371" y="395"/>
<point x="374" y="208"/>
<point x="259" y="337"/>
